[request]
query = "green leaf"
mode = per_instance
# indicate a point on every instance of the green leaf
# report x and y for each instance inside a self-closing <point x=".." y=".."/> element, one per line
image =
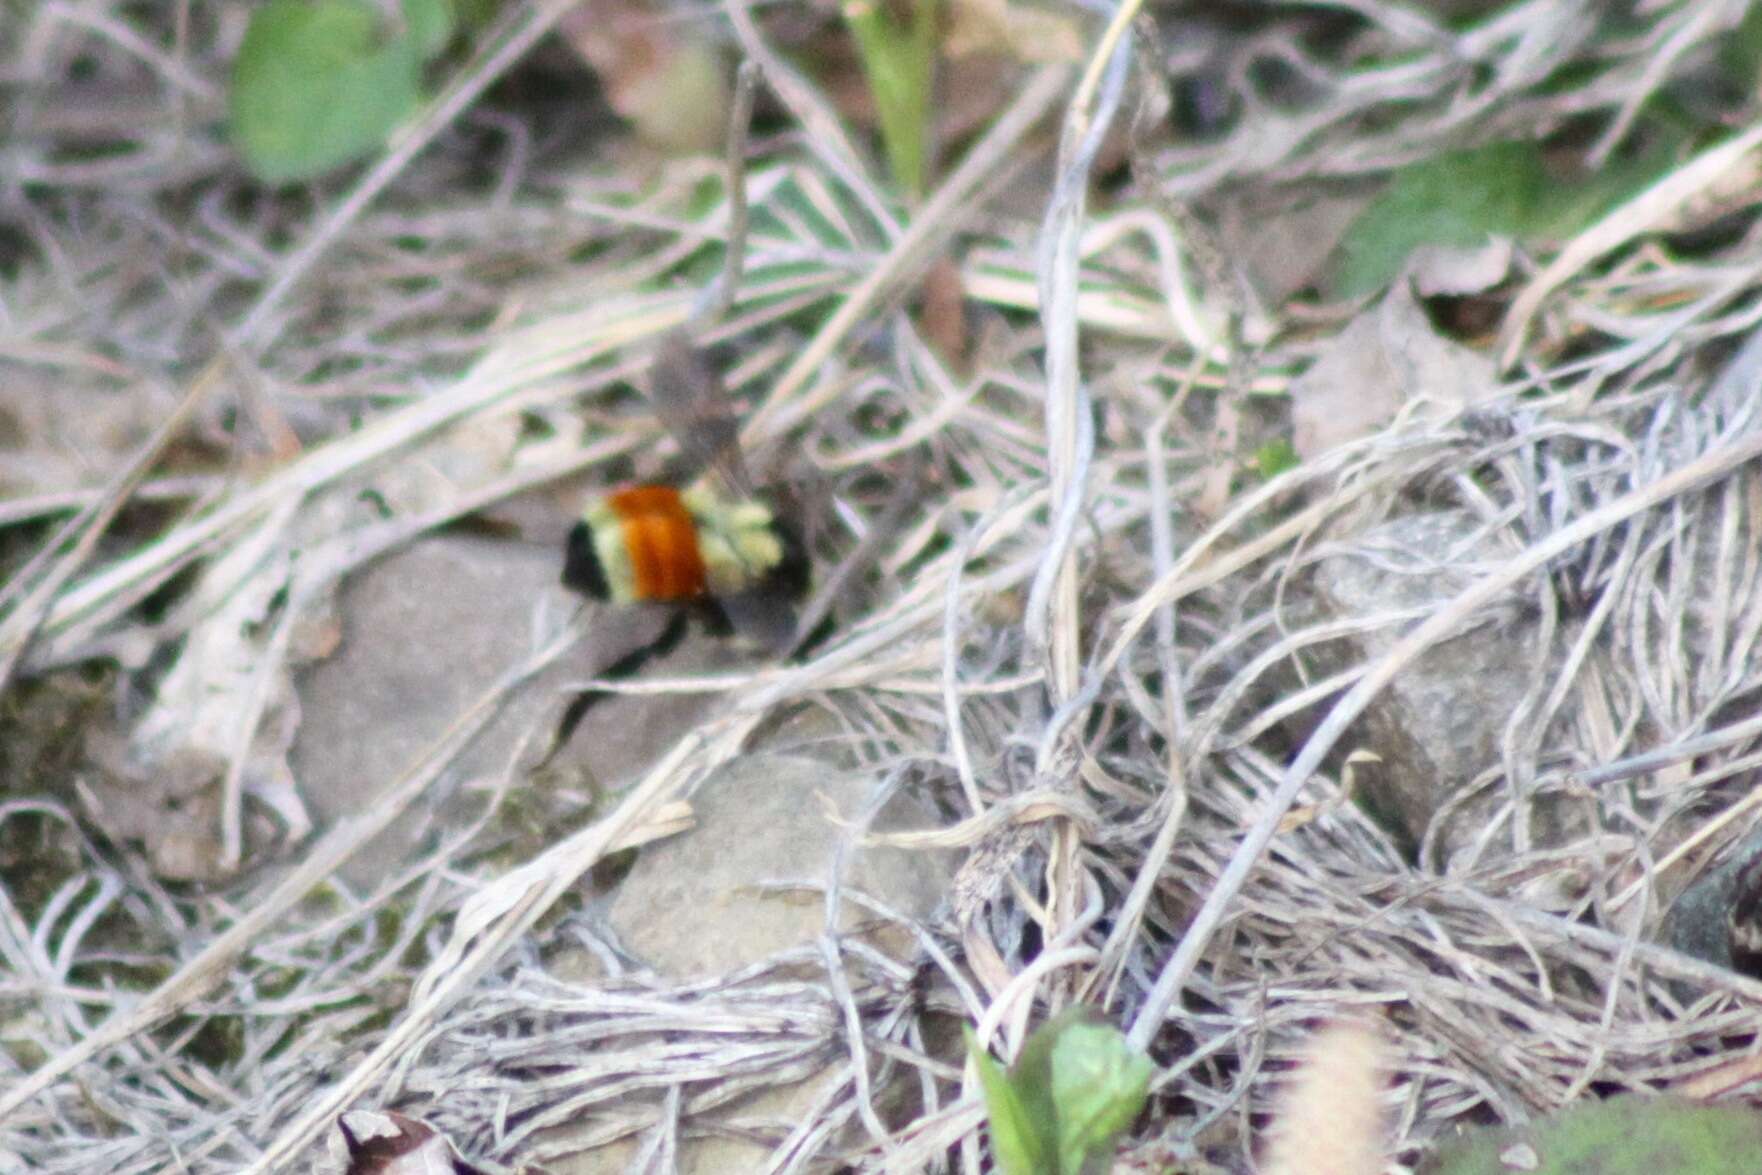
<point x="1462" y="198"/>
<point x="1623" y="1136"/>
<point x="1457" y="199"/>
<point x="319" y="84"/>
<point x="429" y="24"/>
<point x="1073" y="1089"/>
<point x="1017" y="1138"/>
<point x="1098" y="1085"/>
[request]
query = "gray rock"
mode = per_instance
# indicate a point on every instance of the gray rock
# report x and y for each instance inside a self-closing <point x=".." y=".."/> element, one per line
<point x="690" y="906"/>
<point x="712" y="1155"/>
<point x="1696" y="922"/>
<point x="1439" y="724"/>
<point x="425" y="632"/>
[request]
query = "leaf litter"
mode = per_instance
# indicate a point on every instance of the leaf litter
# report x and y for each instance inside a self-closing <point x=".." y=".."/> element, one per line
<point x="1090" y="637"/>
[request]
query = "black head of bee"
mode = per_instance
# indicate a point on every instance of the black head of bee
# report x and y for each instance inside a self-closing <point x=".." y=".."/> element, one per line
<point x="581" y="564"/>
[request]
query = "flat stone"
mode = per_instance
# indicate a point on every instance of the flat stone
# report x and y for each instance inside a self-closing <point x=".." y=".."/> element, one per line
<point x="712" y="1155"/>
<point x="690" y="906"/>
<point x="425" y="632"/>
<point x="1439" y="724"/>
<point x="1696" y="923"/>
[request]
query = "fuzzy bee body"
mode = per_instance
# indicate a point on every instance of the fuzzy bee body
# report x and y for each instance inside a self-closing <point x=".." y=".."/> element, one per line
<point x="659" y="544"/>
<point x="717" y="547"/>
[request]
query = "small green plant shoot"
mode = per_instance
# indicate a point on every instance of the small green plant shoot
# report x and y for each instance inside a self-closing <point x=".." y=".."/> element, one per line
<point x="1274" y="458"/>
<point x="896" y="42"/>
<point x="1073" y="1090"/>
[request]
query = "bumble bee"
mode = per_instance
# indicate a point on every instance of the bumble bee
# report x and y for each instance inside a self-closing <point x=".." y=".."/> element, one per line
<point x="716" y="546"/>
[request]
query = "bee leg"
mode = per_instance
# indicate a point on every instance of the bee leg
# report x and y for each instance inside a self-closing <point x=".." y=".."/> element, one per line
<point x="814" y="639"/>
<point x="713" y="617"/>
<point x="623" y="667"/>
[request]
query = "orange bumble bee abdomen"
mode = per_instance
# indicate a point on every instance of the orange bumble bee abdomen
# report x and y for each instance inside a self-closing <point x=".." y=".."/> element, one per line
<point x="660" y="536"/>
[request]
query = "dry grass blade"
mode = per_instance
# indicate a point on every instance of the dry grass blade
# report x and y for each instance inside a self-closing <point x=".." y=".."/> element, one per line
<point x="811" y="110"/>
<point x="205" y="968"/>
<point x="907" y="257"/>
<point x="31" y="596"/>
<point x="1106" y="658"/>
<point x="494" y="919"/>
<point x="523" y="362"/>
<point x="1643" y="213"/>
<point x="1718" y="463"/>
<point x="523" y="27"/>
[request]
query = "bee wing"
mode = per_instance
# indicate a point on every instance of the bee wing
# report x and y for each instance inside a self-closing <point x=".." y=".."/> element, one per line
<point x="760" y="617"/>
<point x="693" y="404"/>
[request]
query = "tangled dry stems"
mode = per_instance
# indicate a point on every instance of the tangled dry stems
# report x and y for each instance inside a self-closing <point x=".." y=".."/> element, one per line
<point x="1148" y="692"/>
